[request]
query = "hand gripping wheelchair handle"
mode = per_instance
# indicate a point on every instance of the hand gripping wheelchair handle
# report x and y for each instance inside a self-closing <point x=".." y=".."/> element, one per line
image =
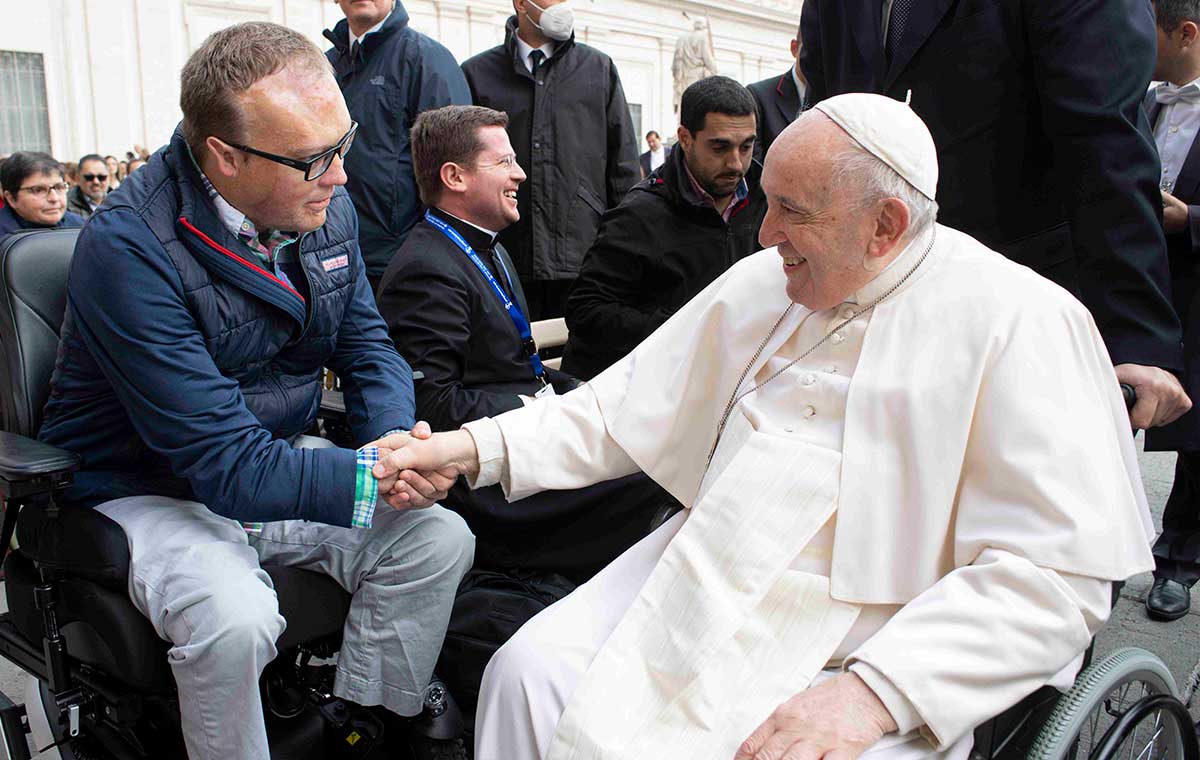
<point x="1130" y="395"/>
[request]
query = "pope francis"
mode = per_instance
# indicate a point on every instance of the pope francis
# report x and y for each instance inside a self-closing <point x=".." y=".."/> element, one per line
<point x="908" y="476"/>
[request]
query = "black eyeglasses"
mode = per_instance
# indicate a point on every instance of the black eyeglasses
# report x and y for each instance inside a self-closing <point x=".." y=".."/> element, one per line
<point x="41" y="191"/>
<point x="94" y="177"/>
<point x="312" y="167"/>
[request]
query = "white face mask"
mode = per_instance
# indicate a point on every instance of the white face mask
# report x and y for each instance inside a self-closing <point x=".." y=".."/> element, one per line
<point x="558" y="21"/>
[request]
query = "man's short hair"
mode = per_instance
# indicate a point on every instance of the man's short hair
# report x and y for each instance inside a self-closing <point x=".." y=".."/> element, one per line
<point x="24" y="164"/>
<point x="447" y="135"/>
<point x="227" y="64"/>
<point x="93" y="157"/>
<point x="1171" y="13"/>
<point x="652" y="132"/>
<point x="713" y="95"/>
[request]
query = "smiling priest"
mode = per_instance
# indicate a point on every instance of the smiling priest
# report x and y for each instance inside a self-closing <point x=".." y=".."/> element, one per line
<point x="909" y="479"/>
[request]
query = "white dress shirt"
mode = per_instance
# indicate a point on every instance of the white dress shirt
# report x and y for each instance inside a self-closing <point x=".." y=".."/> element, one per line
<point x="801" y="87"/>
<point x="1173" y="135"/>
<point x="658" y="157"/>
<point x="524" y="48"/>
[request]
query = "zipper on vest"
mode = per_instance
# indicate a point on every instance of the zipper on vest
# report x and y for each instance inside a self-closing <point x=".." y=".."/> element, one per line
<point x="309" y="308"/>
<point x="222" y="249"/>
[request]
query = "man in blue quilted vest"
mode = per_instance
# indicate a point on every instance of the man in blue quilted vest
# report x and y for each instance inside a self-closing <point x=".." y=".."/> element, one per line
<point x="203" y="301"/>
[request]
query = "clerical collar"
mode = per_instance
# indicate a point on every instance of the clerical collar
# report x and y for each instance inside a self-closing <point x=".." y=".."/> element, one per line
<point x="477" y="237"/>
<point x="895" y="271"/>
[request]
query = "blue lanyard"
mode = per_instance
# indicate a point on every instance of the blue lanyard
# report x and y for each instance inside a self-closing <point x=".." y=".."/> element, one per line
<point x="513" y="310"/>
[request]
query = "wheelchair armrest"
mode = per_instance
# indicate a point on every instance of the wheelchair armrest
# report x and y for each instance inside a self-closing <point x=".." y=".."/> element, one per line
<point x="29" y="466"/>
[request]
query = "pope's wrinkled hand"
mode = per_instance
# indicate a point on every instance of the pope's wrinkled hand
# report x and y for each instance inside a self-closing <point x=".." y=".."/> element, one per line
<point x="1161" y="398"/>
<point x="418" y="465"/>
<point x="410" y="490"/>
<point x="837" y="719"/>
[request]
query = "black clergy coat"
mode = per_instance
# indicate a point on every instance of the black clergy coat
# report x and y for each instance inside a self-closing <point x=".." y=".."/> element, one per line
<point x="448" y="323"/>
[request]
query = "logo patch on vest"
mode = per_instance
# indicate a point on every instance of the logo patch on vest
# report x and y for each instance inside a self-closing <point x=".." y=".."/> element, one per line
<point x="336" y="262"/>
<point x="378" y="81"/>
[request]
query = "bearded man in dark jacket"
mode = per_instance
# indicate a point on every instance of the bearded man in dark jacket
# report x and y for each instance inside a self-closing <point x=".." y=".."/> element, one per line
<point x="674" y="233"/>
<point x="570" y="126"/>
<point x="388" y="73"/>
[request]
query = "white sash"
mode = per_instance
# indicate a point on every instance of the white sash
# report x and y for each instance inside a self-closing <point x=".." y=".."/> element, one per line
<point x="722" y="632"/>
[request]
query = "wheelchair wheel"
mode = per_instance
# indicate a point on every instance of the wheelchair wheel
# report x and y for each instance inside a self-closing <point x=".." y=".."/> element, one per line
<point x="1101" y="695"/>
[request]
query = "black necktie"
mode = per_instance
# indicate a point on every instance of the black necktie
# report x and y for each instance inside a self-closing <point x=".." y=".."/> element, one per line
<point x="536" y="58"/>
<point x="354" y="51"/>
<point x="901" y="9"/>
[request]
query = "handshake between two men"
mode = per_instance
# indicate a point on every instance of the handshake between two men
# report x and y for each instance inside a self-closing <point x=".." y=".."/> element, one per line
<point x="417" y="469"/>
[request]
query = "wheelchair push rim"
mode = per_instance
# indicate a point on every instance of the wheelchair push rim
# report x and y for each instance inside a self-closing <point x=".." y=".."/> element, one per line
<point x="1102" y="694"/>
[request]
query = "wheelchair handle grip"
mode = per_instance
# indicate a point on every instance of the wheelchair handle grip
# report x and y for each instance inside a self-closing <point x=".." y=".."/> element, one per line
<point x="1130" y="395"/>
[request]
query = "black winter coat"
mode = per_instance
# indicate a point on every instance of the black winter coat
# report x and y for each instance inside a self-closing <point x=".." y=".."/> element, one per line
<point x="399" y="73"/>
<point x="572" y="134"/>
<point x="654" y="253"/>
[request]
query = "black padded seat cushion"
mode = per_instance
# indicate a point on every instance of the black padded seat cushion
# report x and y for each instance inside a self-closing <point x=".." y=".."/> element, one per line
<point x="80" y="541"/>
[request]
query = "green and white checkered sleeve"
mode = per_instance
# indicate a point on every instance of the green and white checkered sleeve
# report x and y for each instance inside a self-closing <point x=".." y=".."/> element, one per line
<point x="366" y="487"/>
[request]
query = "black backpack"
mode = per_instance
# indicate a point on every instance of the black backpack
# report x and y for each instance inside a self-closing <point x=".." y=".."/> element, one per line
<point x="489" y="608"/>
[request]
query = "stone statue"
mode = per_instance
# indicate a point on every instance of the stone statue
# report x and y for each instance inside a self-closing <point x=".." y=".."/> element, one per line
<point x="693" y="58"/>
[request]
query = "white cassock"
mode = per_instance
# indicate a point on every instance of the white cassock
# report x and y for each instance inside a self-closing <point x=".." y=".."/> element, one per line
<point x="936" y="498"/>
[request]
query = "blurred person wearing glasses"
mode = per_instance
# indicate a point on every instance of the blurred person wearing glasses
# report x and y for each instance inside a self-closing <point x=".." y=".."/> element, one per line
<point x="35" y="194"/>
<point x="91" y="187"/>
<point x="204" y="298"/>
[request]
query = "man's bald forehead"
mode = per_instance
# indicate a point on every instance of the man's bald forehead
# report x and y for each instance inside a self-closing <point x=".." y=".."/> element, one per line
<point x="296" y="94"/>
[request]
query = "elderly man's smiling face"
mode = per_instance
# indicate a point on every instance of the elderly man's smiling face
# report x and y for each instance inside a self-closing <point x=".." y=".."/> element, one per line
<point x="828" y="240"/>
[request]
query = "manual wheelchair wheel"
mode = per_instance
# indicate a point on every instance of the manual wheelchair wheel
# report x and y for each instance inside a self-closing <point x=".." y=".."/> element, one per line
<point x="1102" y="694"/>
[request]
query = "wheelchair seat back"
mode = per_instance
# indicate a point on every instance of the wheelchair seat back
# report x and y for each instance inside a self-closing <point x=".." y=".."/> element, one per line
<point x="33" y="300"/>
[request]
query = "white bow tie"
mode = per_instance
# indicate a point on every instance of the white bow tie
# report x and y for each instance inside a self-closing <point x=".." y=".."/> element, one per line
<point x="1166" y="94"/>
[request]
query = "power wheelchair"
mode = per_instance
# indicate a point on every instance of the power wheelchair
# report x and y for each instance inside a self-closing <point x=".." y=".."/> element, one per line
<point x="99" y="685"/>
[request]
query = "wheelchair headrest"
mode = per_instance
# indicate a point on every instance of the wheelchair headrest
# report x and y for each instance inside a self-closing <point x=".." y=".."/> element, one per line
<point x="33" y="299"/>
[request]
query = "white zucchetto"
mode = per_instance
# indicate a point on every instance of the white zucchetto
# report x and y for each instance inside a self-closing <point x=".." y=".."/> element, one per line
<point x="891" y="131"/>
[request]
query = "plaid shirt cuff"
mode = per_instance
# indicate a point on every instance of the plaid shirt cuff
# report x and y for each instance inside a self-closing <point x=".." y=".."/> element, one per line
<point x="366" y="488"/>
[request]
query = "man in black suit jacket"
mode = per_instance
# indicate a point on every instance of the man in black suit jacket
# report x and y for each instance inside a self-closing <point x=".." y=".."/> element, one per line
<point x="1044" y="150"/>
<point x="647" y="161"/>
<point x="778" y="100"/>
<point x="1174" y="112"/>
<point x="445" y="312"/>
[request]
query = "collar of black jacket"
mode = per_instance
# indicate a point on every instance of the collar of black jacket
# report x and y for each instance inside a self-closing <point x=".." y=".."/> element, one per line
<point x="510" y="44"/>
<point x="475" y="237"/>
<point x="672" y="183"/>
<point x="340" y="34"/>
